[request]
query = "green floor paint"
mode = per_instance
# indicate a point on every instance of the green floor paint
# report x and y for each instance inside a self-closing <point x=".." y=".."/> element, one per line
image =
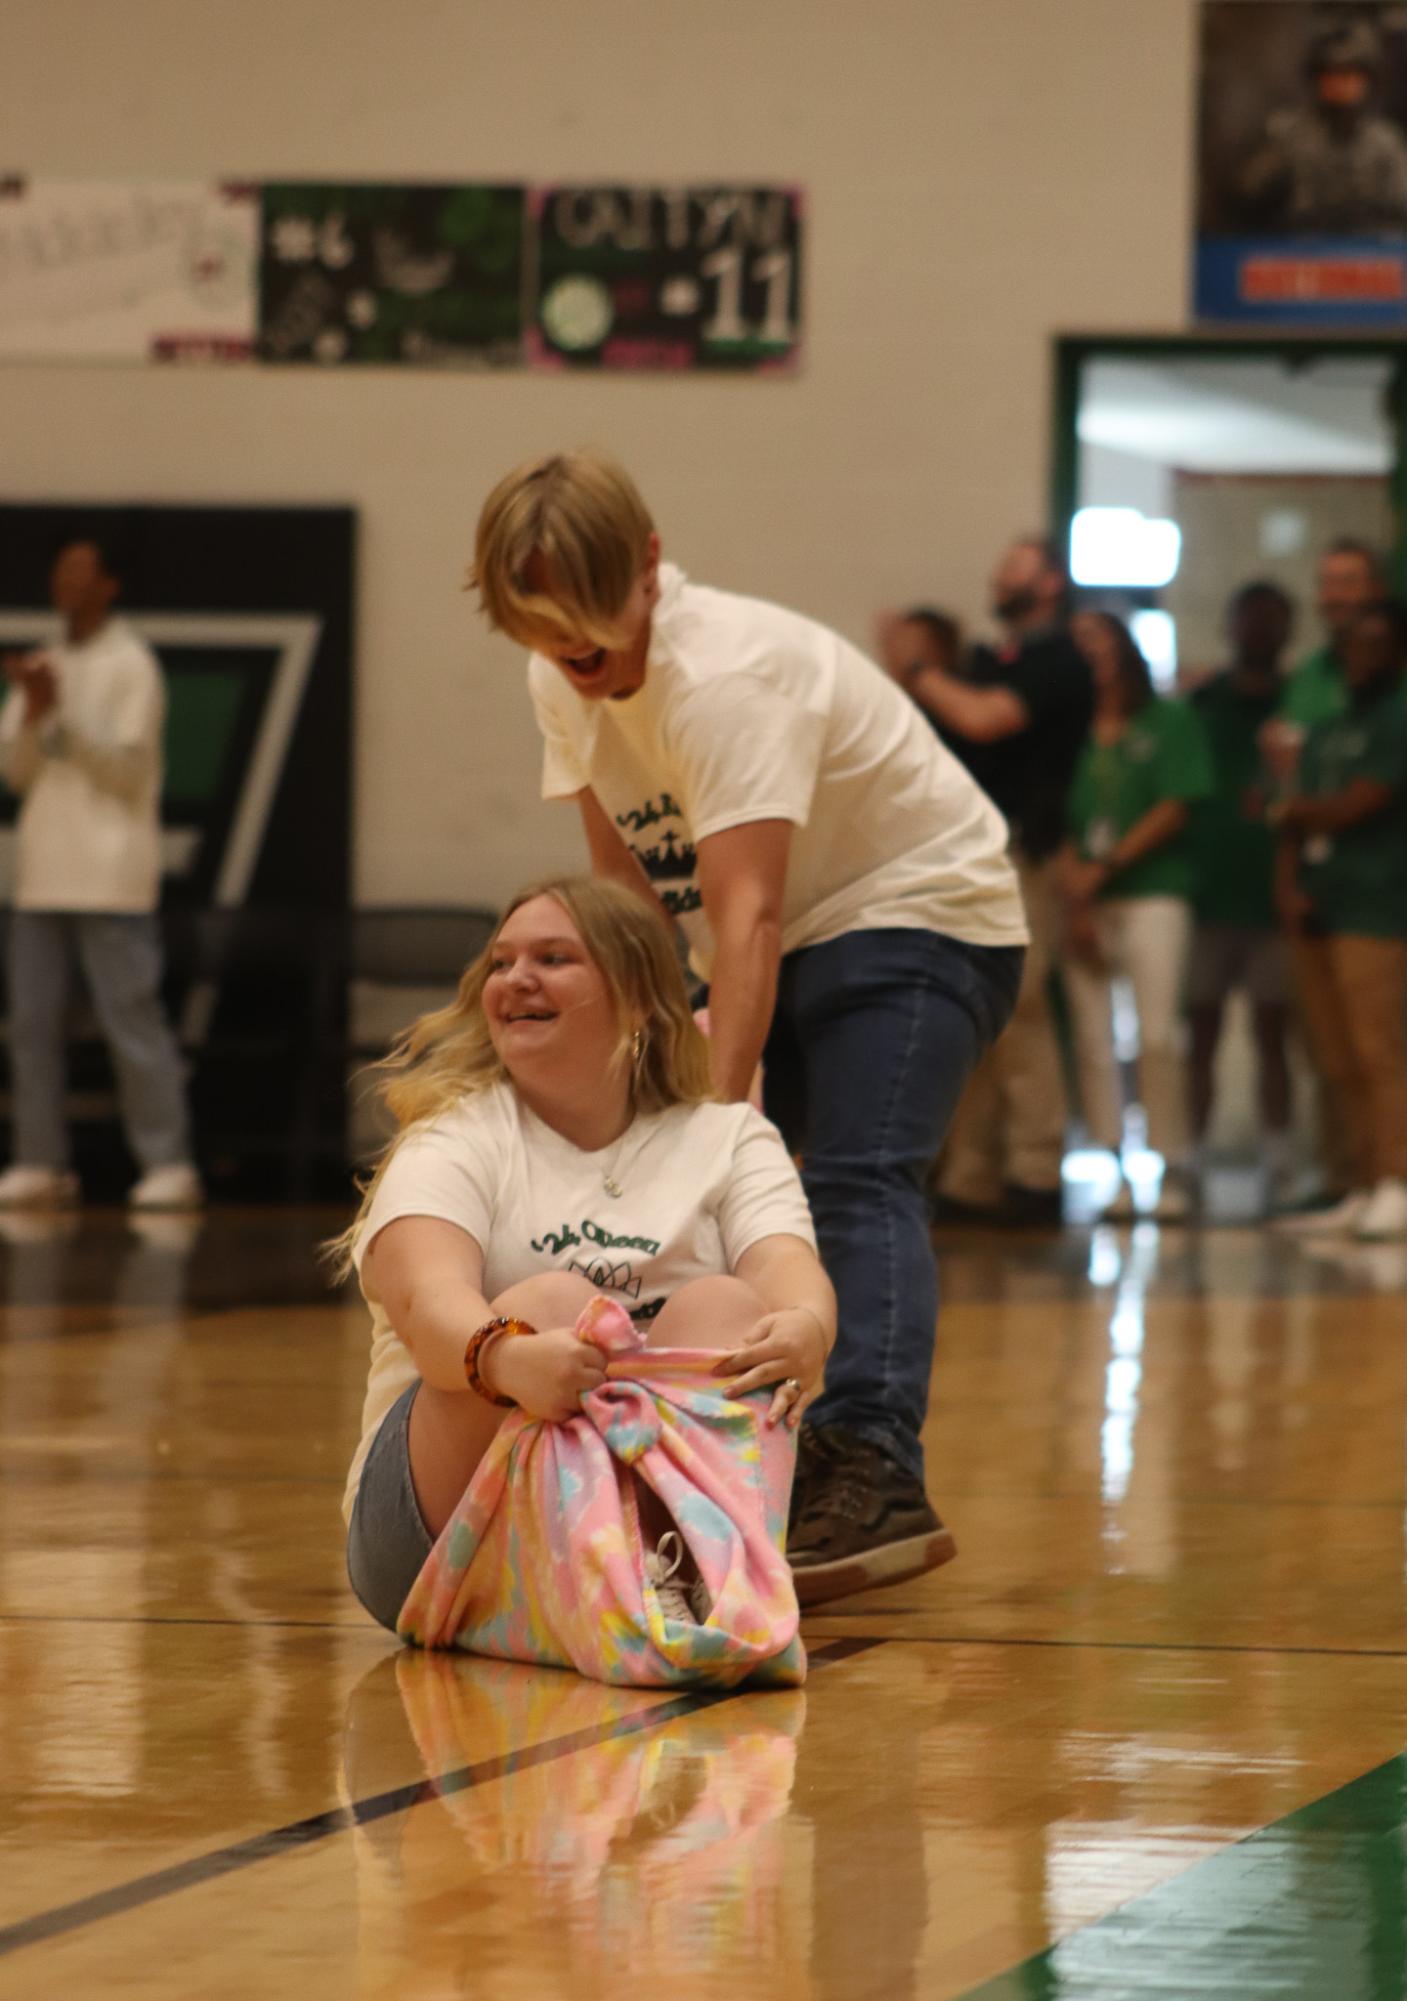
<point x="1313" y="1908"/>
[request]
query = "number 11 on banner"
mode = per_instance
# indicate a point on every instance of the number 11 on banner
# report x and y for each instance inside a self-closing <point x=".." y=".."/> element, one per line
<point x="772" y="271"/>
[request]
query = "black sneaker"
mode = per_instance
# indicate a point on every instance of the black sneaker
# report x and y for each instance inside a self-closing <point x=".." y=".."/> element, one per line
<point x="858" y="1519"/>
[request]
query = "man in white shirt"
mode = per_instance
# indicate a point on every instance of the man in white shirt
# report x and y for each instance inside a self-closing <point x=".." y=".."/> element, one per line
<point x="80" y="740"/>
<point x="843" y="886"/>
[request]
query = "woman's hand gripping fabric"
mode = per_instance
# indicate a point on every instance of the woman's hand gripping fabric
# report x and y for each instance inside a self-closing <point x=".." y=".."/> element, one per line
<point x="788" y="1348"/>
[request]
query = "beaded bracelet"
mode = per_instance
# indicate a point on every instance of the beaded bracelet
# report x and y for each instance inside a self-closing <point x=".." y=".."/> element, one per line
<point x="473" y="1352"/>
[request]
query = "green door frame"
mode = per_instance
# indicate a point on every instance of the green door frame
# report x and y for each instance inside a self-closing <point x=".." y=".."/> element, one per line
<point x="1074" y="351"/>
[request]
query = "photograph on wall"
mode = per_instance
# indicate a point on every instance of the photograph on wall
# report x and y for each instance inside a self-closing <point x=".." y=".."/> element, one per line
<point x="127" y="271"/>
<point x="1302" y="163"/>
<point x="392" y="276"/>
<point x="667" y="278"/>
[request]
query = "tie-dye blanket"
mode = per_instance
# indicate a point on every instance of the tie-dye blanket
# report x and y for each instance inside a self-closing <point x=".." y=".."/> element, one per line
<point x="543" y="1560"/>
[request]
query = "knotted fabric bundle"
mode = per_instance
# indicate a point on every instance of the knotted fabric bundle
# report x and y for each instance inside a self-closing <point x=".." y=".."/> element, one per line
<point x="544" y="1559"/>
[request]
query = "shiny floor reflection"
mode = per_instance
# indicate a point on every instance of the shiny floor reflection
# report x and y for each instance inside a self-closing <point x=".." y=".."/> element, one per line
<point x="1119" y="1748"/>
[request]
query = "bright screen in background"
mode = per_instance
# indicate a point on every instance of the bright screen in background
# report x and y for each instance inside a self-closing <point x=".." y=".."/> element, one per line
<point x="1155" y="635"/>
<point x="1118" y="548"/>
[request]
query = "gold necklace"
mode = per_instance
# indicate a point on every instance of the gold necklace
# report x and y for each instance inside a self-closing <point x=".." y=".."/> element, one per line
<point x="609" y="1179"/>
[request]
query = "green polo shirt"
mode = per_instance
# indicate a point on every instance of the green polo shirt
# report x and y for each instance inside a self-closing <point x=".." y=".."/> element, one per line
<point x="1357" y="881"/>
<point x="1162" y="754"/>
<point x="1232" y="847"/>
<point x="1316" y="690"/>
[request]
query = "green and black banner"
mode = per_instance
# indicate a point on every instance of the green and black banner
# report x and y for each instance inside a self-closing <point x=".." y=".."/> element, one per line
<point x="669" y="278"/>
<point x="401" y="274"/>
<point x="431" y="276"/>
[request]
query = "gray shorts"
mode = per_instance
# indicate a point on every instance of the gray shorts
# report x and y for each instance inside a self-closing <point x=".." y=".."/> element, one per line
<point x="1227" y="956"/>
<point x="388" y="1541"/>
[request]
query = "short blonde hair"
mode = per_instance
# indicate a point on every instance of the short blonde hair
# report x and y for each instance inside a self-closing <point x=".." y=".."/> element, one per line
<point x="447" y="1055"/>
<point x="582" y="514"/>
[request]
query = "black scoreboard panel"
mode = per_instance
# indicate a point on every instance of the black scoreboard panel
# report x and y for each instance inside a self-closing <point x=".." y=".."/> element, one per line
<point x="667" y="277"/>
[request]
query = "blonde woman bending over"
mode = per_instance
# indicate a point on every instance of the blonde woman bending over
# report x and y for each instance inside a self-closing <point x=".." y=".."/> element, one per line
<point x="559" y="1139"/>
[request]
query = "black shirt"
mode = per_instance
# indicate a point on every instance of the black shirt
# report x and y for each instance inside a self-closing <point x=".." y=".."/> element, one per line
<point x="1028" y="774"/>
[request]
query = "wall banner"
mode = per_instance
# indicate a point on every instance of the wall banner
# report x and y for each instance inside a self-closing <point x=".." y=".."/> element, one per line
<point x="667" y="277"/>
<point x="1302" y="164"/>
<point x="144" y="271"/>
<point x="448" y="275"/>
<point x="430" y="276"/>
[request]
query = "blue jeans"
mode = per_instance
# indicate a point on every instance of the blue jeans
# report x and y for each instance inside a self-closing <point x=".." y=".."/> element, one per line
<point x="874" y="1036"/>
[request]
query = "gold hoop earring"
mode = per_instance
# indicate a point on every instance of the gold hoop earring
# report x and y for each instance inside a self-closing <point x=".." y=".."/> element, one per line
<point x="637" y="1047"/>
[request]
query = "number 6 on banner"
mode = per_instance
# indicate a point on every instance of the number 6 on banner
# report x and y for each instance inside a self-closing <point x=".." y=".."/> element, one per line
<point x="772" y="270"/>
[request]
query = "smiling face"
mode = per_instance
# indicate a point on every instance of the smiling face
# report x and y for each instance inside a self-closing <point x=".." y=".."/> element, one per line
<point x="598" y="671"/>
<point x="550" y="1010"/>
<point x="1372" y="649"/>
<point x="1348" y="580"/>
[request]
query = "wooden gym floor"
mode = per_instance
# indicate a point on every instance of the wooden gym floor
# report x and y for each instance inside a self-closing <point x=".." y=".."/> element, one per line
<point x="1145" y="1738"/>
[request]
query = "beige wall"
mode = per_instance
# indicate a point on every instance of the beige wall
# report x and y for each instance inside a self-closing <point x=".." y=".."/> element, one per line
<point x="980" y="173"/>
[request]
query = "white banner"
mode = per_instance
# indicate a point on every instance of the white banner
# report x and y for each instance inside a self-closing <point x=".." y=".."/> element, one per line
<point x="142" y="271"/>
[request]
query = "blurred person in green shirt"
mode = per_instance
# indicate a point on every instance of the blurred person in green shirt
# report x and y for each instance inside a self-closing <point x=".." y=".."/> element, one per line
<point x="1236" y="942"/>
<point x="1341" y="886"/>
<point x="1128" y="874"/>
<point x="1349" y="577"/>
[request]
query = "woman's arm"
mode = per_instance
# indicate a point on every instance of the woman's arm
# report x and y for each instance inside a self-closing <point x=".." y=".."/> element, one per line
<point x="1159" y="825"/>
<point x="785" y="1272"/>
<point x="797" y="1333"/>
<point x="742" y="879"/>
<point x="610" y="857"/>
<point x="1335" y="812"/>
<point x="429" y="1276"/>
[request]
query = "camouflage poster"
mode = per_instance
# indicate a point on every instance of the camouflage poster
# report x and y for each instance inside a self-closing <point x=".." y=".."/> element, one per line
<point x="1302" y="164"/>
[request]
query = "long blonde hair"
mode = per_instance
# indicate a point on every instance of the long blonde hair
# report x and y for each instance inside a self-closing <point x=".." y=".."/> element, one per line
<point x="448" y="1054"/>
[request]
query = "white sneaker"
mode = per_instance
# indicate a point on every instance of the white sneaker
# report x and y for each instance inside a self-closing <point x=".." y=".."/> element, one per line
<point x="661" y="1568"/>
<point x="1340" y="1221"/>
<point x="175" y="1187"/>
<point x="38" y="1188"/>
<point x="1385" y="1212"/>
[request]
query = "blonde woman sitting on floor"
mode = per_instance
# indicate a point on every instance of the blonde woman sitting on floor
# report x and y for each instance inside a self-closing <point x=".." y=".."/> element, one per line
<point x="558" y="1141"/>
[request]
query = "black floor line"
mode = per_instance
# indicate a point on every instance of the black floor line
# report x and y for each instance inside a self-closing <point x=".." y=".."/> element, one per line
<point x="868" y="1612"/>
<point x="160" y="1883"/>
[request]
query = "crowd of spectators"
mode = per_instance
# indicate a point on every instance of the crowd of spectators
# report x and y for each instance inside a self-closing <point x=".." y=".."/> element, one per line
<point x="1244" y="832"/>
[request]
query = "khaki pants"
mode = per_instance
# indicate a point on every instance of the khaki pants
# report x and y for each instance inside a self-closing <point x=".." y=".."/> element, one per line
<point x="1146" y="939"/>
<point x="1010" y="1124"/>
<point x="1353" y="998"/>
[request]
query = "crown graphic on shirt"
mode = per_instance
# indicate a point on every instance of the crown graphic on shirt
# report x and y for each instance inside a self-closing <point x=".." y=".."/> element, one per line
<point x="668" y="861"/>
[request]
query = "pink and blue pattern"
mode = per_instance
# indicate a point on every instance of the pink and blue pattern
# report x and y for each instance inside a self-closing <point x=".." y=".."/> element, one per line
<point x="543" y="1560"/>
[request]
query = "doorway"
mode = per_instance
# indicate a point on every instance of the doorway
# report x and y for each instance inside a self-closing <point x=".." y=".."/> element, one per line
<point x="1258" y="454"/>
<point x="1186" y="467"/>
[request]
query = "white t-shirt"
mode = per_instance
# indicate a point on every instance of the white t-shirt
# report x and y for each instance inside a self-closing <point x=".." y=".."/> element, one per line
<point x="700" y="1184"/>
<point x="89" y="829"/>
<point x="749" y="712"/>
